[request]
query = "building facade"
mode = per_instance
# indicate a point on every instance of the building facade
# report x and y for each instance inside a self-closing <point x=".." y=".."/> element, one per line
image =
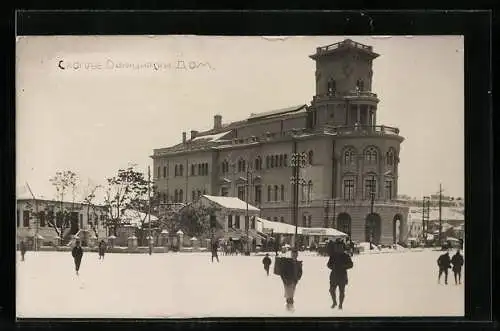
<point x="351" y="178"/>
<point x="85" y="221"/>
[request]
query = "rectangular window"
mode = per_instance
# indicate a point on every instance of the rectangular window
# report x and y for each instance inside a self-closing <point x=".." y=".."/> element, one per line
<point x="229" y="221"/>
<point x="165" y="172"/>
<point x="237" y="221"/>
<point x="18" y="218"/>
<point x="224" y="191"/>
<point x="258" y="194"/>
<point x="241" y="192"/>
<point x="26" y="218"/>
<point x="388" y="189"/>
<point x="348" y="189"/>
<point x="252" y="224"/>
<point x="158" y="174"/>
<point x="370" y="188"/>
<point x="282" y="219"/>
<point x="42" y="218"/>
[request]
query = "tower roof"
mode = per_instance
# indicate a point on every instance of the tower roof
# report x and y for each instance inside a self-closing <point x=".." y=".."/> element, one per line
<point x="341" y="46"/>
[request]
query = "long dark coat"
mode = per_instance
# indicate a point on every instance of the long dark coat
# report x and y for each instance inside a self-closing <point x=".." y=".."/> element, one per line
<point x="339" y="263"/>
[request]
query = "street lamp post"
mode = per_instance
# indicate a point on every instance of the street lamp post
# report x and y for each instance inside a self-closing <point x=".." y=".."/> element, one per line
<point x="249" y="181"/>
<point x="298" y="160"/>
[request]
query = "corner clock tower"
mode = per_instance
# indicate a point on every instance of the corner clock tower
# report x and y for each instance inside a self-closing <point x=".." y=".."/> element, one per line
<point x="343" y="78"/>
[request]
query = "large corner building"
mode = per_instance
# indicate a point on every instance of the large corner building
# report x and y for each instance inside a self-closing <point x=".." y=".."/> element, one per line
<point x="351" y="178"/>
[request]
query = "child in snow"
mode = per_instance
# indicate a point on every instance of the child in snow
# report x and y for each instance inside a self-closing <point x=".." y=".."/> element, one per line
<point x="267" y="262"/>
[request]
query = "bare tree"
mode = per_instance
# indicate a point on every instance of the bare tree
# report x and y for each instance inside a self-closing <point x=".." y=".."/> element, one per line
<point x="129" y="185"/>
<point x="63" y="181"/>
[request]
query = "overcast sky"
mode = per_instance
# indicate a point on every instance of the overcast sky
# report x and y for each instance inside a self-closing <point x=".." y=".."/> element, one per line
<point x="95" y="121"/>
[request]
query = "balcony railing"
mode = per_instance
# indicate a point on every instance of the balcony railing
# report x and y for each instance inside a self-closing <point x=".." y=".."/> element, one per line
<point x="362" y="129"/>
<point x="333" y="95"/>
<point x="344" y="43"/>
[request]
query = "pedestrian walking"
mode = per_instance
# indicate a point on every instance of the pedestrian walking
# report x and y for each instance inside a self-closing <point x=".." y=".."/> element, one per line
<point x="215" y="247"/>
<point x="290" y="271"/>
<point x="22" y="248"/>
<point x="458" y="261"/>
<point x="77" y="254"/>
<point x="102" y="249"/>
<point x="267" y="262"/>
<point x="339" y="262"/>
<point x="444" y="263"/>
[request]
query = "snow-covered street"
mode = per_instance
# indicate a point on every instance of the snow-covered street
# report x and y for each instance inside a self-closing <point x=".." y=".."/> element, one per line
<point x="189" y="285"/>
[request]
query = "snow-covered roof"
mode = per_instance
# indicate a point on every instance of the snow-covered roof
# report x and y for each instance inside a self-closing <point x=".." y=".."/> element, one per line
<point x="277" y="112"/>
<point x="134" y="217"/>
<point x="212" y="137"/>
<point x="230" y="203"/>
<point x="285" y="228"/>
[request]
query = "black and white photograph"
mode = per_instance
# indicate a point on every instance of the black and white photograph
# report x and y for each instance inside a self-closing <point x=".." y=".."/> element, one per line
<point x="189" y="176"/>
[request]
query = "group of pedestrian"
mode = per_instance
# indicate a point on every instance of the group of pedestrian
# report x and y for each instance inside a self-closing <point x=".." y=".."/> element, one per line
<point x="455" y="263"/>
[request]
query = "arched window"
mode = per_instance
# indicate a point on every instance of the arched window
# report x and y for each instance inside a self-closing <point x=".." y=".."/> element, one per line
<point x="181" y="170"/>
<point x="276" y="161"/>
<point x="360" y="85"/>
<point x="349" y="156"/>
<point x="158" y="175"/>
<point x="309" y="190"/>
<point x="257" y="163"/>
<point x="176" y="196"/>
<point x="268" y="162"/>
<point x="304" y="221"/>
<point x="165" y="171"/>
<point x="272" y="161"/>
<point x="269" y="189"/>
<point x="276" y="192"/>
<point x="371" y="155"/>
<point x="281" y="161"/>
<point x="181" y="195"/>
<point x="243" y="166"/>
<point x="285" y="160"/>
<point x="193" y="167"/>
<point x="310" y="157"/>
<point x="391" y="156"/>
<point x="332" y="86"/>
<point x="176" y="171"/>
<point x="282" y="219"/>
<point x="282" y="192"/>
<point x="309" y="221"/>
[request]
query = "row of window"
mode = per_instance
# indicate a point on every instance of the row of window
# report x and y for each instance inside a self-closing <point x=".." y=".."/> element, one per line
<point x="234" y="223"/>
<point x="200" y="169"/>
<point x="369" y="189"/>
<point x="45" y="218"/>
<point x="274" y="192"/>
<point x="332" y="86"/>
<point x="272" y="161"/>
<point x="370" y="156"/>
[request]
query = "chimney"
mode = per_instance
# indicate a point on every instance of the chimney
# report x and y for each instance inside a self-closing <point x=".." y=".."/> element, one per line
<point x="217" y="121"/>
<point x="194" y="133"/>
<point x="184" y="137"/>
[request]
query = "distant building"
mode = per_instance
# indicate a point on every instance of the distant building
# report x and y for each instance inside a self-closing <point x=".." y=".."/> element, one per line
<point x="83" y="220"/>
<point x="352" y="161"/>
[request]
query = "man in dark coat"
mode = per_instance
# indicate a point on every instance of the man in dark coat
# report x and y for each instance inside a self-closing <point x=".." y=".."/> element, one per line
<point x="339" y="262"/>
<point x="22" y="248"/>
<point x="458" y="261"/>
<point x="444" y="263"/>
<point x="215" y="247"/>
<point x="102" y="249"/>
<point x="267" y="262"/>
<point x="291" y="273"/>
<point x="77" y="254"/>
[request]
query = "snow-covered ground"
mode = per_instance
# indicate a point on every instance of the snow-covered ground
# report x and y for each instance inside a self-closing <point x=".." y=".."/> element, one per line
<point x="188" y="285"/>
